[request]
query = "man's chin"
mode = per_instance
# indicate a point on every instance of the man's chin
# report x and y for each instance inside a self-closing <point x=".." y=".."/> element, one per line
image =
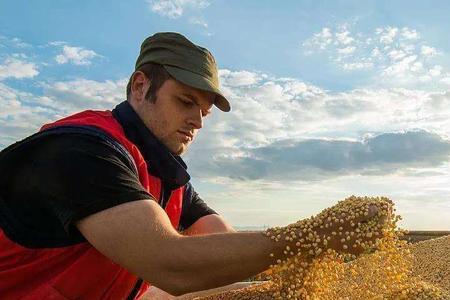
<point x="180" y="150"/>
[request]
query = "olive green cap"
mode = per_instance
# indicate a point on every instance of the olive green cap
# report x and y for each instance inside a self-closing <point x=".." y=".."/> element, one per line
<point x="186" y="62"/>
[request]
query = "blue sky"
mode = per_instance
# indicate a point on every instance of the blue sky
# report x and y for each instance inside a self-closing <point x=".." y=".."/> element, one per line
<point x="329" y="98"/>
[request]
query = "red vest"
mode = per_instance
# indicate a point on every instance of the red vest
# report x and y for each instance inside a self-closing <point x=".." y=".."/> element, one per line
<point x="78" y="271"/>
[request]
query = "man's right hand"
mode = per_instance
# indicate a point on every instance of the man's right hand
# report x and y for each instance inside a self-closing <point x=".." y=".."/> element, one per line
<point x="348" y="236"/>
<point x="351" y="226"/>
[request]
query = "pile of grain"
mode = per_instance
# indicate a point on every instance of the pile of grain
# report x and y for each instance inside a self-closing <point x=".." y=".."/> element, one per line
<point x="432" y="261"/>
<point x="371" y="262"/>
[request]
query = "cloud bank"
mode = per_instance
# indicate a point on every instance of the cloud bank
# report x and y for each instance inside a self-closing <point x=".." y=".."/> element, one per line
<point x="316" y="159"/>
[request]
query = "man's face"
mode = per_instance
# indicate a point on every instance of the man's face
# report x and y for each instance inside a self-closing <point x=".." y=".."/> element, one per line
<point x="177" y="114"/>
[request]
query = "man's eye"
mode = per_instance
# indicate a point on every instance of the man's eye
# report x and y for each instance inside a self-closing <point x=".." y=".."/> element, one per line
<point x="187" y="103"/>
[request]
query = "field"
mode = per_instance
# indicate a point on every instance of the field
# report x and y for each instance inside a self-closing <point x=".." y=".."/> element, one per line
<point x="417" y="236"/>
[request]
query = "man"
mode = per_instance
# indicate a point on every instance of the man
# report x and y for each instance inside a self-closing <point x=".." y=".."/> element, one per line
<point x="98" y="205"/>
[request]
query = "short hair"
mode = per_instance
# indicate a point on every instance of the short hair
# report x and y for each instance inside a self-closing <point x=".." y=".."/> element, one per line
<point x="157" y="75"/>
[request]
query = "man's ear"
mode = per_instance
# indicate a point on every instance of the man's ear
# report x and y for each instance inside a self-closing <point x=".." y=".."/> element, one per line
<point x="139" y="86"/>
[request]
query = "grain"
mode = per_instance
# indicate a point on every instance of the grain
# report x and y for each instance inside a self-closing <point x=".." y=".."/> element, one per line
<point x="432" y="261"/>
<point x="351" y="251"/>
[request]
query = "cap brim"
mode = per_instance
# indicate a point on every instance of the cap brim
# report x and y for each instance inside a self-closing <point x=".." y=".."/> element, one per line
<point x="199" y="82"/>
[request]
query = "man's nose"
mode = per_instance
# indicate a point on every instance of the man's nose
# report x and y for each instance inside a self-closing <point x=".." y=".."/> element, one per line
<point x="196" y="119"/>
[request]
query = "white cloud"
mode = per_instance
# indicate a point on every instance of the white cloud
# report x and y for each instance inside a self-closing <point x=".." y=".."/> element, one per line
<point x="408" y="48"/>
<point x="14" y="43"/>
<point x="321" y="39"/>
<point x="446" y="80"/>
<point x="392" y="56"/>
<point x="175" y="8"/>
<point x="238" y="78"/>
<point x="167" y="8"/>
<point x="428" y="51"/>
<point x="75" y="55"/>
<point x="344" y="37"/>
<point x="84" y="94"/>
<point x="22" y="114"/>
<point x="417" y="67"/>
<point x="435" y="71"/>
<point x="16" y="68"/>
<point x="396" y="54"/>
<point x="387" y="34"/>
<point x="376" y="52"/>
<point x="409" y="34"/>
<point x="346" y="50"/>
<point x="57" y="43"/>
<point x="400" y="68"/>
<point x="357" y="66"/>
<point x="19" y="43"/>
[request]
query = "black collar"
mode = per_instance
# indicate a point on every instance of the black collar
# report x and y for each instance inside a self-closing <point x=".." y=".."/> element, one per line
<point x="161" y="162"/>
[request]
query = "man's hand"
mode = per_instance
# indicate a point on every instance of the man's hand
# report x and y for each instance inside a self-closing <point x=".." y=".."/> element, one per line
<point x="348" y="235"/>
<point x="351" y="226"/>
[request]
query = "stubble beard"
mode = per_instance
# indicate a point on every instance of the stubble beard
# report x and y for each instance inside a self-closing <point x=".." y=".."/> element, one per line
<point x="171" y="140"/>
<point x="174" y="144"/>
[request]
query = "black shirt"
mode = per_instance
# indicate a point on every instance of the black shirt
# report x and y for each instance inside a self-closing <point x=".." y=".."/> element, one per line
<point x="58" y="179"/>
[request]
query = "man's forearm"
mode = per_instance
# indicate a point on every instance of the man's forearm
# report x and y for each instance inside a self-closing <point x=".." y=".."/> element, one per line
<point x="139" y="236"/>
<point x="208" y="261"/>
